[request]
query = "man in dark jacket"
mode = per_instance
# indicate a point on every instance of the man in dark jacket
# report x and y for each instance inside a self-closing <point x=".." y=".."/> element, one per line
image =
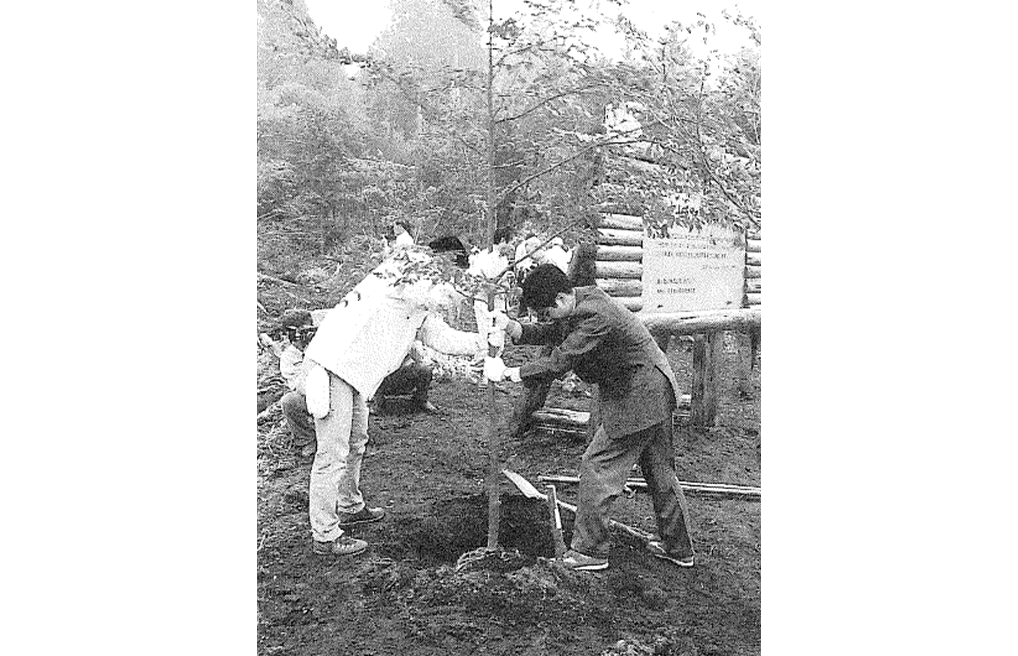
<point x="606" y="344"/>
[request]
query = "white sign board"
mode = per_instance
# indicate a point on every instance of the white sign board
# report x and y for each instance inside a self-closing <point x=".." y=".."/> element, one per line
<point x="693" y="269"/>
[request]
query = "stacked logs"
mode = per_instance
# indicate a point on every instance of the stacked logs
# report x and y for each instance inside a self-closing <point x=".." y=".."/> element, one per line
<point x="576" y="421"/>
<point x="618" y="267"/>
<point x="754" y="264"/>
<point x="618" y="270"/>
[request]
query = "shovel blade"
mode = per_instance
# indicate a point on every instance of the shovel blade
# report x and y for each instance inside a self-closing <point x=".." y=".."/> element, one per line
<point x="524" y="485"/>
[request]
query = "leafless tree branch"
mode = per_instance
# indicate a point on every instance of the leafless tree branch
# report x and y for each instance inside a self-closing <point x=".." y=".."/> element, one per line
<point x="548" y="169"/>
<point x="544" y="102"/>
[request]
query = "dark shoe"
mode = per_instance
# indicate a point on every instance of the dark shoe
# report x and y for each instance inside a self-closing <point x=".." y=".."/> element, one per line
<point x="363" y="517"/>
<point x="574" y="560"/>
<point x="657" y="548"/>
<point x="344" y="545"/>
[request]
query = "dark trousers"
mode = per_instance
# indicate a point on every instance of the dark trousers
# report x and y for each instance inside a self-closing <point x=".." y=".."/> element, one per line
<point x="535" y="393"/>
<point x="410" y="380"/>
<point x="300" y="422"/>
<point x="603" y="472"/>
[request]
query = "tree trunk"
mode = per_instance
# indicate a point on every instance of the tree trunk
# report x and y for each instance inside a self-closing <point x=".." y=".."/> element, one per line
<point x="494" y="444"/>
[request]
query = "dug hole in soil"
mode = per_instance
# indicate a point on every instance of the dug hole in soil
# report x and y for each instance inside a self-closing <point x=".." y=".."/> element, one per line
<point x="405" y="595"/>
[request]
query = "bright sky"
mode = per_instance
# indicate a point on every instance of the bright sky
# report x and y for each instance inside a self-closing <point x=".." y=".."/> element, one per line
<point x="356" y="24"/>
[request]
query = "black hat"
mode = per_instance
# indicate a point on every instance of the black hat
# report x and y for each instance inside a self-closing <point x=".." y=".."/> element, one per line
<point x="451" y="244"/>
<point x="297" y="319"/>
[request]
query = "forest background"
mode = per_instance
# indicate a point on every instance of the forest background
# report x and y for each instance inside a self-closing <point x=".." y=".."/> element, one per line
<point x="133" y="180"/>
<point x="349" y="142"/>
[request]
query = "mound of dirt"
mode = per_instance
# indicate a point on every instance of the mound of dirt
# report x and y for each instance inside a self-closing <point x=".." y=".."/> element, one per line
<point x="405" y="595"/>
<point x="459" y="525"/>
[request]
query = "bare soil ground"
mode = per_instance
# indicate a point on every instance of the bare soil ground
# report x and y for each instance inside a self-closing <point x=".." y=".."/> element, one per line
<point x="404" y="595"/>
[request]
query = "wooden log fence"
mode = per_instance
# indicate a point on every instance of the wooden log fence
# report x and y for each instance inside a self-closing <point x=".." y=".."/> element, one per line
<point x="609" y="253"/>
<point x="619" y="261"/>
<point x="754" y="264"/>
<point x="621" y="222"/>
<point x="620" y="286"/>
<point x="707" y="349"/>
<point x="632" y="303"/>
<point x="612" y="237"/>
<point x="618" y="270"/>
<point x="691" y="323"/>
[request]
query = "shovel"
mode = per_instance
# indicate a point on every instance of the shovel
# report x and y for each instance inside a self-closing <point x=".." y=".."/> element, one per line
<point x="556" y="522"/>
<point x="532" y="492"/>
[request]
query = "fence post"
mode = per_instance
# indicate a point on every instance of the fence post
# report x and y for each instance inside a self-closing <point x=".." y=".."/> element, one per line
<point x="744" y="352"/>
<point x="707" y="349"/>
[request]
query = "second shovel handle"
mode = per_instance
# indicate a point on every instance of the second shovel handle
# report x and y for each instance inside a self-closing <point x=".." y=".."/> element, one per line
<point x="555" y="519"/>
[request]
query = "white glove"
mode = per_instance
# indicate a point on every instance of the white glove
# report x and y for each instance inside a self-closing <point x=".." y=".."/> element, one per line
<point x="496" y="322"/>
<point x="496" y="338"/>
<point x="513" y="374"/>
<point x="494" y="369"/>
<point x="316" y="386"/>
<point x="501" y="321"/>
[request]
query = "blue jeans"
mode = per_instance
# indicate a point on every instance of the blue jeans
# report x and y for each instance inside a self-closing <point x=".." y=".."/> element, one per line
<point x="603" y="472"/>
<point x="336" y="471"/>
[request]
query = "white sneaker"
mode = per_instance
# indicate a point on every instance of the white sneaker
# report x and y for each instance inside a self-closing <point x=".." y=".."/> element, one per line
<point x="657" y="548"/>
<point x="580" y="562"/>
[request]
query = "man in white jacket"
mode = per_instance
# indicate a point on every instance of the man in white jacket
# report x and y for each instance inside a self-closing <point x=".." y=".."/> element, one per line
<point x="361" y="341"/>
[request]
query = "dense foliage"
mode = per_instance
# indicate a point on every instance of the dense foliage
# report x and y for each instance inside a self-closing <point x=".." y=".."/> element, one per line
<point x="457" y="123"/>
<point x="347" y="143"/>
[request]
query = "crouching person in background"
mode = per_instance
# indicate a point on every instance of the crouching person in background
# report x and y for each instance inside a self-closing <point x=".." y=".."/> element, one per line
<point x="362" y="340"/>
<point x="412" y="379"/>
<point x="298" y="327"/>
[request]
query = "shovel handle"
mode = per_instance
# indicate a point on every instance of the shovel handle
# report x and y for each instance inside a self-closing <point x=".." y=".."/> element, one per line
<point x="641" y="536"/>
<point x="532" y="492"/>
<point x="555" y="520"/>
